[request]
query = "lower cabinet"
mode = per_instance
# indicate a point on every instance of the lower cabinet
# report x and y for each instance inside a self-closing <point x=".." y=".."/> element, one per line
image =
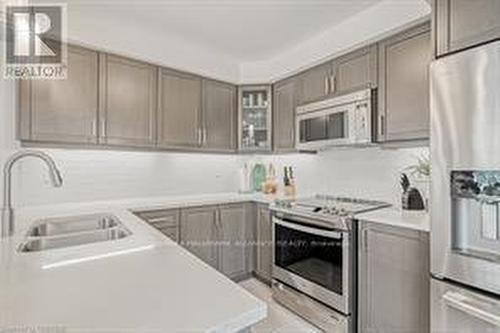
<point x="218" y="235"/>
<point x="393" y="279"/>
<point x="264" y="262"/>
<point x="224" y="236"/>
<point x="232" y="238"/>
<point x="166" y="221"/>
<point x="199" y="233"/>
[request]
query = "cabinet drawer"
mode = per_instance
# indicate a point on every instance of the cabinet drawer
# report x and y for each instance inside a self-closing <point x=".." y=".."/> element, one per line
<point x="170" y="232"/>
<point x="162" y="218"/>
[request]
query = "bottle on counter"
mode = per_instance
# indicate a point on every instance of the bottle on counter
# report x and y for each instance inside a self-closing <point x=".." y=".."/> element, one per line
<point x="244" y="179"/>
<point x="289" y="182"/>
<point x="259" y="176"/>
<point x="271" y="184"/>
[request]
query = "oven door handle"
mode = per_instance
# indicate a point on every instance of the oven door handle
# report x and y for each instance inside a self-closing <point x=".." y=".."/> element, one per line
<point x="314" y="231"/>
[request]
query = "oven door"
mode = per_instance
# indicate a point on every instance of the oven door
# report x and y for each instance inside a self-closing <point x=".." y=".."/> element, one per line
<point x="313" y="260"/>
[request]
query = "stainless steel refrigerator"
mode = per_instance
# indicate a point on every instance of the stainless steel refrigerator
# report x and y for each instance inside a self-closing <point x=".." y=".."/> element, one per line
<point x="465" y="210"/>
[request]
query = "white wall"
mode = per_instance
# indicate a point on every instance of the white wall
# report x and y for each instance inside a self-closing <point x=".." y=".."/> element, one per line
<point x="372" y="24"/>
<point x="88" y="27"/>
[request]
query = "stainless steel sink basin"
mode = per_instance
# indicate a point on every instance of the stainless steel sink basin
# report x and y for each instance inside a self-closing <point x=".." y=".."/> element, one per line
<point x="87" y="237"/>
<point x="67" y="225"/>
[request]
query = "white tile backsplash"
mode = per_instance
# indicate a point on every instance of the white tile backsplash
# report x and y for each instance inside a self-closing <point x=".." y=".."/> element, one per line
<point x="100" y="175"/>
<point x="371" y="173"/>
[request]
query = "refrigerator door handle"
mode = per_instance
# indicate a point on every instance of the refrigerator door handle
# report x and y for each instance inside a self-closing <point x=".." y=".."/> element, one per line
<point x="476" y="307"/>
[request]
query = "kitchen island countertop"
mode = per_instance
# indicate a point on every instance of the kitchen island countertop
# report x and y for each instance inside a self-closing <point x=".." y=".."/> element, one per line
<point x="141" y="283"/>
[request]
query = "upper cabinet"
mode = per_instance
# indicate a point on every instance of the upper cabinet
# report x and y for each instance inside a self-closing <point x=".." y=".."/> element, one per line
<point x="314" y="83"/>
<point x="356" y="70"/>
<point x="403" y="95"/>
<point x="62" y="111"/>
<point x="254" y="114"/>
<point x="219" y="116"/>
<point x="128" y="97"/>
<point x="285" y="101"/>
<point x="110" y="100"/>
<point x="459" y="24"/>
<point x="179" y="111"/>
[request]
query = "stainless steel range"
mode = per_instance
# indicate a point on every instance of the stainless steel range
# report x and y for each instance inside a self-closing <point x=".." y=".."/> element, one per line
<point x="315" y="259"/>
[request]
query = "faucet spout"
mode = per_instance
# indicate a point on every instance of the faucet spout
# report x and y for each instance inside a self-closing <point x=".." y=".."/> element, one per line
<point x="7" y="211"/>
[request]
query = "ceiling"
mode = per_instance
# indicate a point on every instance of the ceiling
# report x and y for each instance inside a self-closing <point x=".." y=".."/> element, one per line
<point x="247" y="30"/>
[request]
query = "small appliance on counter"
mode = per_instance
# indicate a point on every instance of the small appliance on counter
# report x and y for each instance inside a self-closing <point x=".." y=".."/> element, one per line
<point x="411" y="199"/>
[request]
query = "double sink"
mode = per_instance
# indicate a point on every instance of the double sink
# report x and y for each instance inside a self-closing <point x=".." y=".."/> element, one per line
<point x="72" y="231"/>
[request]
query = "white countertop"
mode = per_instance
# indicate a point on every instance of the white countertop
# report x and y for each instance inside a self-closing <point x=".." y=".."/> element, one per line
<point x="416" y="220"/>
<point x="142" y="283"/>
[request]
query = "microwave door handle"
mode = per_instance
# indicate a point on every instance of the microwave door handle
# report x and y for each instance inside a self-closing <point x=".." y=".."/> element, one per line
<point x="474" y="307"/>
<point x="314" y="231"/>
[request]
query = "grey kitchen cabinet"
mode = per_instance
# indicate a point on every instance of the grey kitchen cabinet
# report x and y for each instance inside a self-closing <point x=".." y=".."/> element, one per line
<point x="403" y="86"/>
<point x="314" y="83"/>
<point x="254" y="118"/>
<point x="179" y="111"/>
<point x="393" y="279"/>
<point x="459" y="24"/>
<point x="62" y="111"/>
<point x="285" y="100"/>
<point x="264" y="260"/>
<point x="218" y="235"/>
<point x="355" y="70"/>
<point x="233" y="249"/>
<point x="128" y="102"/>
<point x="198" y="233"/>
<point x="219" y="116"/>
<point x="166" y="221"/>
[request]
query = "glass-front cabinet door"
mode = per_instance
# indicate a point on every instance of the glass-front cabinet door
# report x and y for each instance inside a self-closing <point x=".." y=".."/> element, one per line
<point x="254" y="118"/>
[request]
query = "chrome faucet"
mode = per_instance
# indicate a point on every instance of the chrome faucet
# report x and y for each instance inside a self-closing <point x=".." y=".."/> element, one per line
<point x="7" y="211"/>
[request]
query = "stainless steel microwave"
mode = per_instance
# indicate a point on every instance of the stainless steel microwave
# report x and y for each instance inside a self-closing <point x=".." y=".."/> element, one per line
<point x="337" y="121"/>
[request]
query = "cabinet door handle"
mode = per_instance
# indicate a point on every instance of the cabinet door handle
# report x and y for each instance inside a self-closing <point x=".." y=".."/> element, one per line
<point x="103" y="128"/>
<point x="364" y="240"/>
<point x="327" y="85"/>
<point x="160" y="220"/>
<point x="93" y="127"/>
<point x="204" y="135"/>
<point x="198" y="136"/>
<point x="333" y="83"/>
<point x="382" y="124"/>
